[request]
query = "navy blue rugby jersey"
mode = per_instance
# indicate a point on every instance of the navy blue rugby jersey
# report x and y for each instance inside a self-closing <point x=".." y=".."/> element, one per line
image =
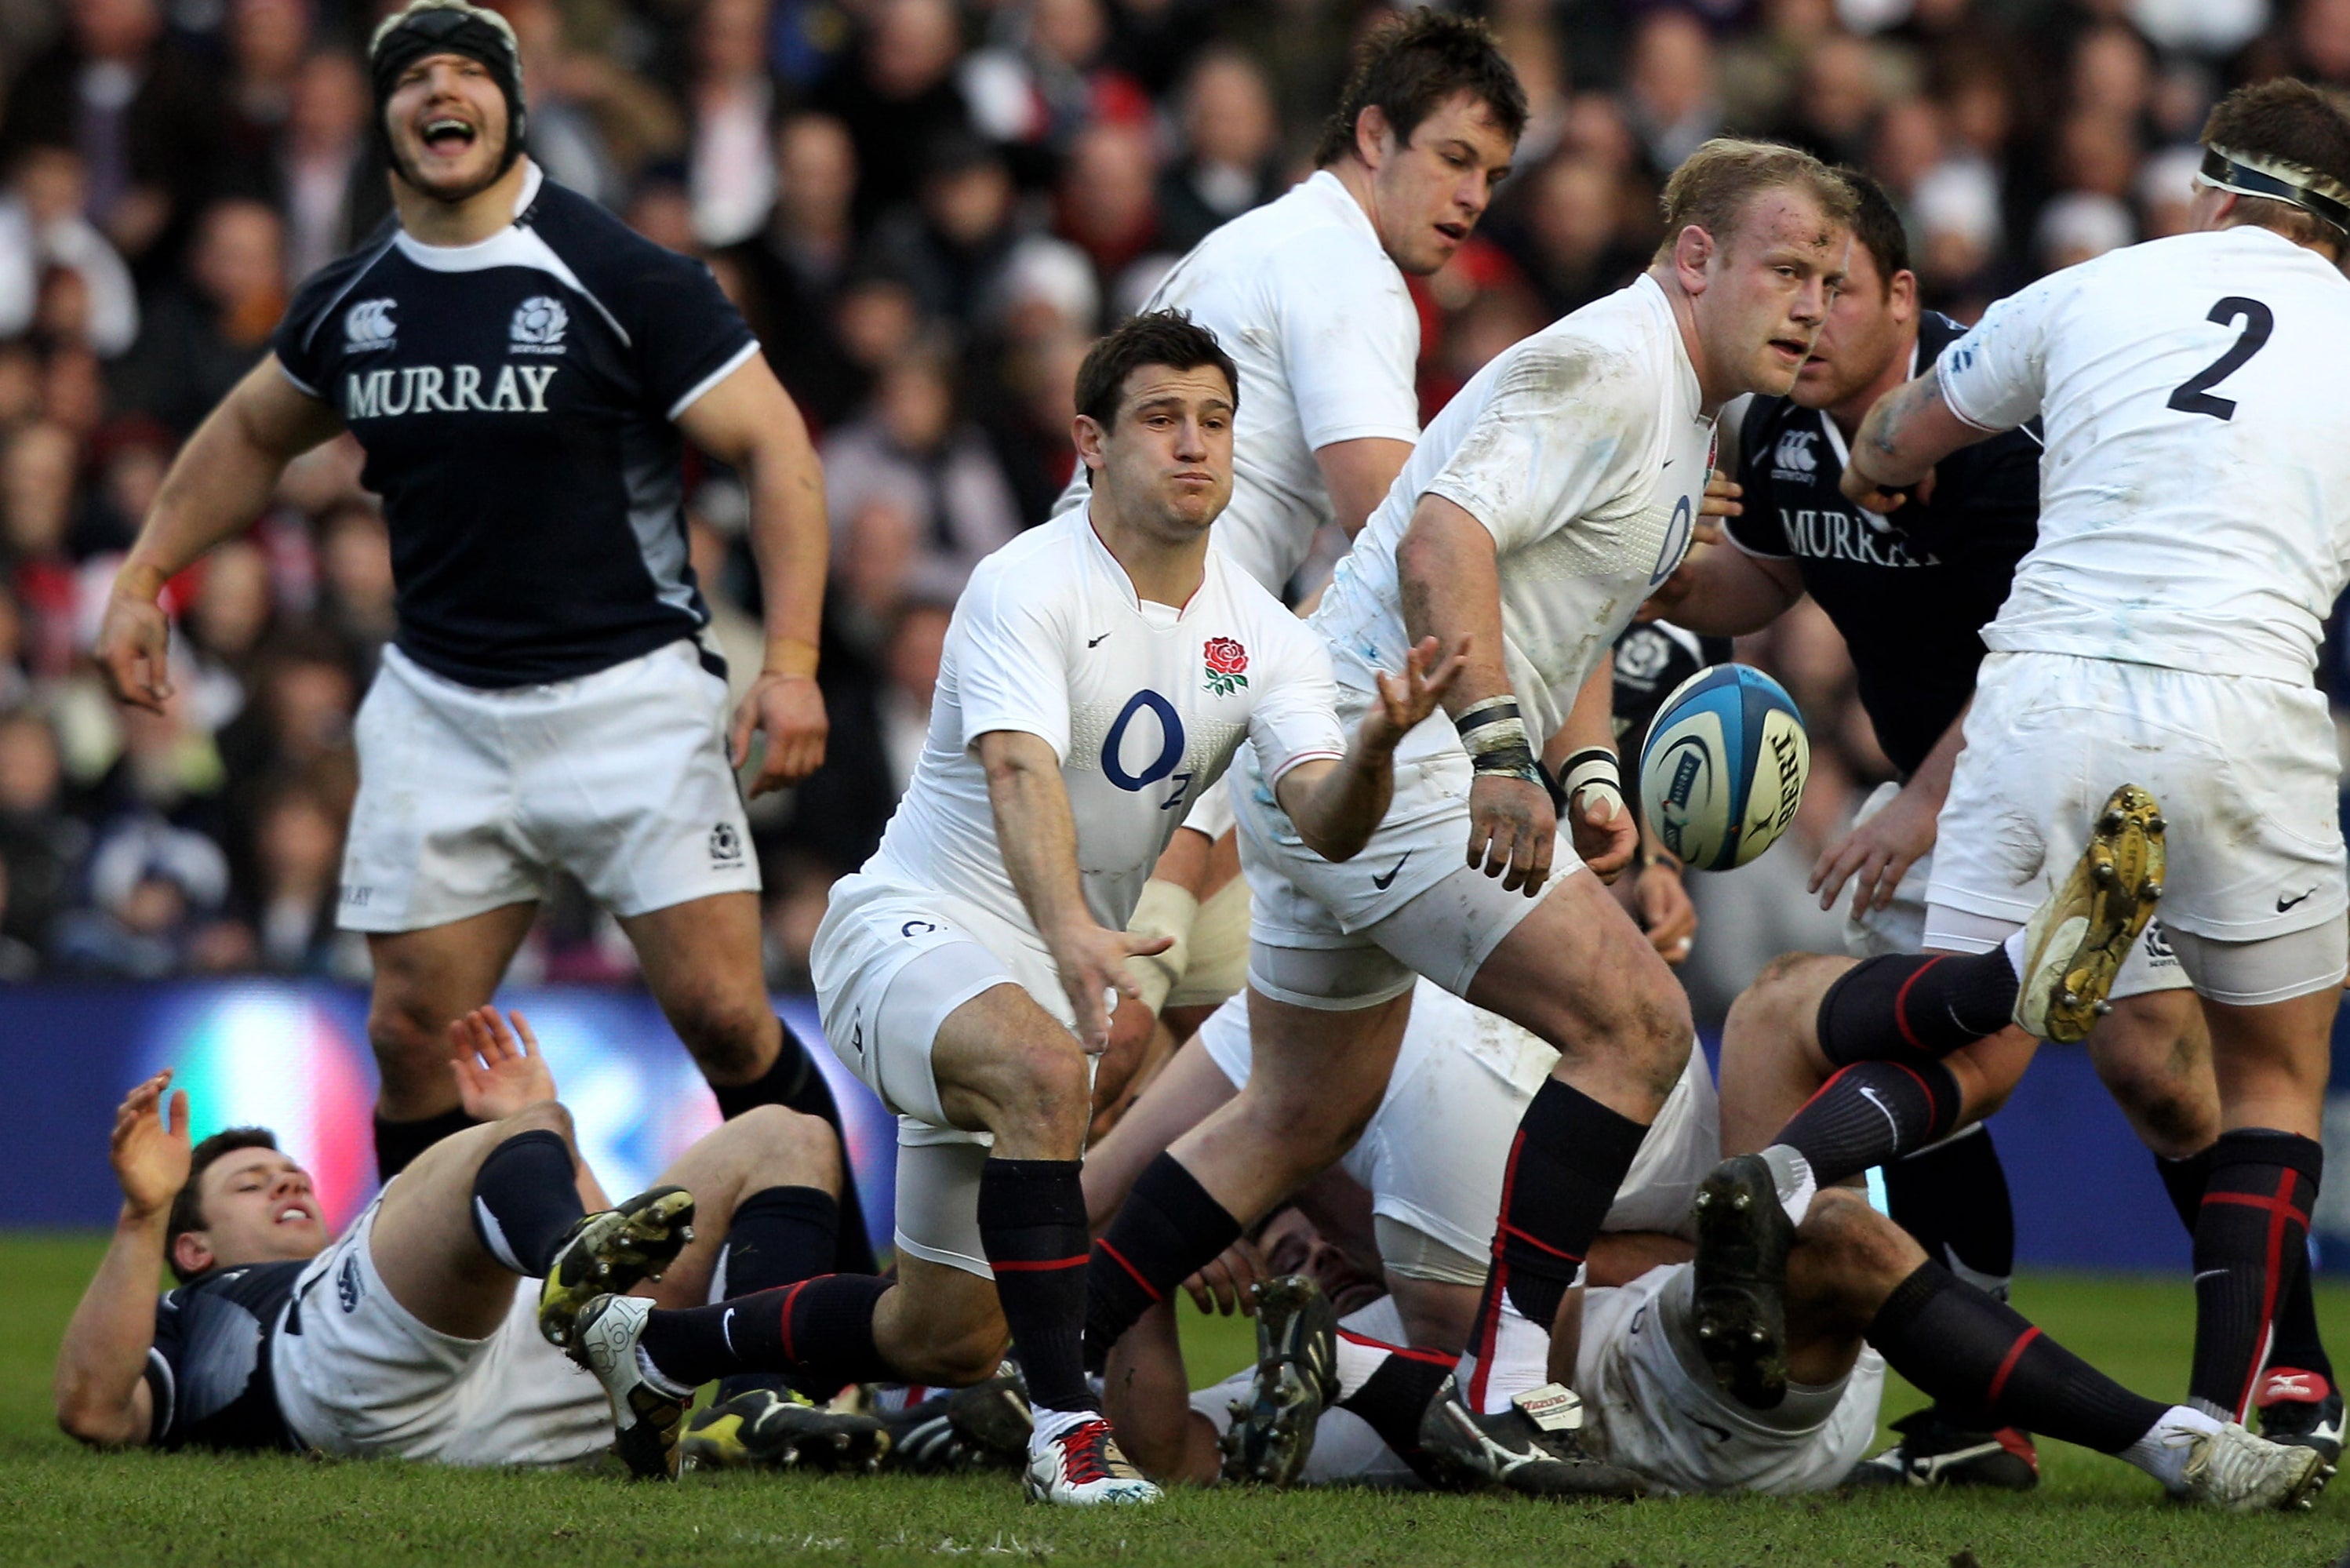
<point x="208" y="1373"/>
<point x="515" y="399"/>
<point x="1910" y="592"/>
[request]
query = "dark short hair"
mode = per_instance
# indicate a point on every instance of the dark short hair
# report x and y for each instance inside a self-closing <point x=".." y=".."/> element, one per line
<point x="1876" y="226"/>
<point x="1168" y="338"/>
<point x="2288" y="122"/>
<point x="187" y="1205"/>
<point x="1409" y="67"/>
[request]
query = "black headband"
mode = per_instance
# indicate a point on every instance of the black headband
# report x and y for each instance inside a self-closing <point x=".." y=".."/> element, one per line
<point x="450" y="31"/>
<point x="2227" y="171"/>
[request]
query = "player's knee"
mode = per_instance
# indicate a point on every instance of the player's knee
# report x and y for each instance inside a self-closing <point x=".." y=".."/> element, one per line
<point x="1044" y="1085"/>
<point x="784" y="1147"/>
<point x="1784" y="998"/>
<point x="1850" y="1251"/>
<point x="732" y="1037"/>
<point x="546" y="1115"/>
<point x="409" y="1037"/>
<point x="960" y="1355"/>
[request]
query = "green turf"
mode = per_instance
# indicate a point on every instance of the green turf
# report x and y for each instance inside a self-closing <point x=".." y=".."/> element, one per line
<point x="58" y="1505"/>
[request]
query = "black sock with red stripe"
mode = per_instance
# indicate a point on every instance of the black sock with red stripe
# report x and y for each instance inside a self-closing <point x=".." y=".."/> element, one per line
<point x="820" y="1331"/>
<point x="2299" y="1371"/>
<point x="795" y="1081"/>
<point x="1970" y="1352"/>
<point x="1568" y="1159"/>
<point x="1032" y="1220"/>
<point x="1872" y="1112"/>
<point x="776" y="1236"/>
<point x="1390" y="1387"/>
<point x="1168" y="1230"/>
<point x="1900" y="1007"/>
<point x="2251" y="1238"/>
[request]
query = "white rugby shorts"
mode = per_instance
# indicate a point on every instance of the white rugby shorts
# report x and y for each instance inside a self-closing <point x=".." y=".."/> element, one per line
<point x="1432" y="1154"/>
<point x="1898" y="929"/>
<point x="469" y="798"/>
<point x="2246" y="771"/>
<point x="1656" y="1409"/>
<point x="1340" y="936"/>
<point x="890" y="962"/>
<point x="358" y="1375"/>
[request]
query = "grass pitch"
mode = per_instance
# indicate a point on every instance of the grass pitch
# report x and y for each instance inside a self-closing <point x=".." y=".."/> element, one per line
<point x="61" y="1506"/>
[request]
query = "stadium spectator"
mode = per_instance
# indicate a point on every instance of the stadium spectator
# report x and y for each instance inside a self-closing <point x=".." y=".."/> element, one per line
<point x="43" y="234"/>
<point x="1230" y="143"/>
<point x="200" y="340"/>
<point x="898" y="98"/>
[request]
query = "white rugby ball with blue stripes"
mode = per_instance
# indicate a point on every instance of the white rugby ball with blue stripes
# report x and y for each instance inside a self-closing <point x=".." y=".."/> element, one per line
<point x="1724" y="767"/>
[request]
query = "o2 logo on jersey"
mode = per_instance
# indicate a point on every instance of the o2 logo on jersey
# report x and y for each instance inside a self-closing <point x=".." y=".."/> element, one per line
<point x="539" y="325"/>
<point x="367" y="326"/>
<point x="1677" y="542"/>
<point x="1171" y="746"/>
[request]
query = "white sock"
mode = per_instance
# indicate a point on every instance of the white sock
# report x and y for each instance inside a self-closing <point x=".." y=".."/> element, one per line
<point x="1520" y="1361"/>
<point x="2162" y="1452"/>
<point x="1790" y="1174"/>
<point x="1356" y="1361"/>
<point x="2013" y="948"/>
<point x="1051" y="1424"/>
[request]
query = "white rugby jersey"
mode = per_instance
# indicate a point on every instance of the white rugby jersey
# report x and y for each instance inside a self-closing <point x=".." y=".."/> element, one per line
<point x="1143" y="703"/>
<point x="1301" y="295"/>
<point x="1582" y="452"/>
<point x="2195" y="493"/>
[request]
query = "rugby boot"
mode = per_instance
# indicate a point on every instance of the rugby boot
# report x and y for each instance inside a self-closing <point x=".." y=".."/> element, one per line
<point x="612" y="1251"/>
<point x="645" y="1419"/>
<point x="1739" y="1280"/>
<point x="1936" y="1451"/>
<point x="2075" y="942"/>
<point x="1532" y="1447"/>
<point x="768" y="1429"/>
<point x="1272" y="1433"/>
<point x="2234" y="1470"/>
<point x="1074" y="1460"/>
<point x="983" y="1427"/>
<point x="2302" y="1410"/>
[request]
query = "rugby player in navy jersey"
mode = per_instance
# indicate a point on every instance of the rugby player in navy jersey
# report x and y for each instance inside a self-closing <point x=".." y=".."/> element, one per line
<point x="522" y="371"/>
<point x="1910" y="594"/>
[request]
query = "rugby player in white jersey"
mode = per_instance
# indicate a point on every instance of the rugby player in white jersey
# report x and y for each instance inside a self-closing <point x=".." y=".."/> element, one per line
<point x="2194" y="535"/>
<point x="1099" y="674"/>
<point x="1544" y="503"/>
<point x="1307" y="293"/>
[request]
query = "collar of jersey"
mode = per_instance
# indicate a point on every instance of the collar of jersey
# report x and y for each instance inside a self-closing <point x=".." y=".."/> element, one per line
<point x="458" y="258"/>
<point x="1332" y="189"/>
<point x="1649" y="289"/>
<point x="1117" y="568"/>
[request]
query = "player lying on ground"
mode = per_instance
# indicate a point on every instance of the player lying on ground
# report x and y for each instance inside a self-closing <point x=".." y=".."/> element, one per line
<point x="2166" y="627"/>
<point x="1910" y="594"/>
<point x="417" y="1334"/>
<point x="1611" y="411"/>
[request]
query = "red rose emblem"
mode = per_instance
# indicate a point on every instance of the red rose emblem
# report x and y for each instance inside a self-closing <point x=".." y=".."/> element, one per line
<point x="1226" y="656"/>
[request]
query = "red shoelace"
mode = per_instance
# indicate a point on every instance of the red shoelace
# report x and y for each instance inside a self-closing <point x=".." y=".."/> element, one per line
<point x="1083" y="1459"/>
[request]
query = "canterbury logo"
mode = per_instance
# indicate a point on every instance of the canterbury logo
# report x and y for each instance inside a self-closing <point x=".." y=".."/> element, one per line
<point x="1794" y="453"/>
<point x="368" y="324"/>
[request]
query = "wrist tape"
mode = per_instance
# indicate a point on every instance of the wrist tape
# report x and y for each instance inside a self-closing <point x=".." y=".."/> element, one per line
<point x="1495" y="739"/>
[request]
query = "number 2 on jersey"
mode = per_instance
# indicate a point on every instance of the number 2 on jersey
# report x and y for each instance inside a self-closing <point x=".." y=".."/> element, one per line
<point x="2193" y="396"/>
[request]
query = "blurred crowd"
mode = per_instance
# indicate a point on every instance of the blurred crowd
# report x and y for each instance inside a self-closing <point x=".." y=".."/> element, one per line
<point x="926" y="209"/>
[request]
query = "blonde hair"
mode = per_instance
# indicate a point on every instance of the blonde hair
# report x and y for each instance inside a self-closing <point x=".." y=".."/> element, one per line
<point x="1714" y="184"/>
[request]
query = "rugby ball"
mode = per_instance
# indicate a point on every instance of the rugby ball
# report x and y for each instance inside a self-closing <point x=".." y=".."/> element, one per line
<point x="1725" y="767"/>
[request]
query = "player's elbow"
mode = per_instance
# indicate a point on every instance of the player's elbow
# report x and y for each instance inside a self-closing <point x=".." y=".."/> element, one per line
<point x="97" y="1422"/>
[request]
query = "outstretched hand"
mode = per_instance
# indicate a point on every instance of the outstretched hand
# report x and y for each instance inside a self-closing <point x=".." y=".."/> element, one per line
<point x="1409" y="698"/>
<point x="150" y="1159"/>
<point x="1091" y="961"/>
<point x="499" y="1070"/>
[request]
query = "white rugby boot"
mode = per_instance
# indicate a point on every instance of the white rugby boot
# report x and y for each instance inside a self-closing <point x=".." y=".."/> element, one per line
<point x="2232" y="1470"/>
<point x="2075" y="942"/>
<point x="647" y="1419"/>
<point x="1073" y="1459"/>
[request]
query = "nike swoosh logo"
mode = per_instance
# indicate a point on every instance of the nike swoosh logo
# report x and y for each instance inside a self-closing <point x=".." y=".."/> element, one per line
<point x="2208" y="1274"/>
<point x="726" y="1330"/>
<point x="1383" y="883"/>
<point x="1096" y="641"/>
<point x="1668" y="462"/>
<point x="1892" y="1121"/>
<point x="2284" y="903"/>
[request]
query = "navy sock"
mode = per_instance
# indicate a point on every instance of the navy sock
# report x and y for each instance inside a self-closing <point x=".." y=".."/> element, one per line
<point x="1393" y="1398"/>
<point x="1032" y="1220"/>
<point x="397" y="1144"/>
<point x="1169" y="1228"/>
<point x="777" y="1236"/>
<point x="1971" y="1352"/>
<point x="526" y="1197"/>
<point x="1902" y="1008"/>
<point x="1569" y="1156"/>
<point x="1953" y="1199"/>
<point x="2251" y="1237"/>
<point x="819" y="1331"/>
<point x="796" y="1083"/>
<point x="1872" y="1112"/>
